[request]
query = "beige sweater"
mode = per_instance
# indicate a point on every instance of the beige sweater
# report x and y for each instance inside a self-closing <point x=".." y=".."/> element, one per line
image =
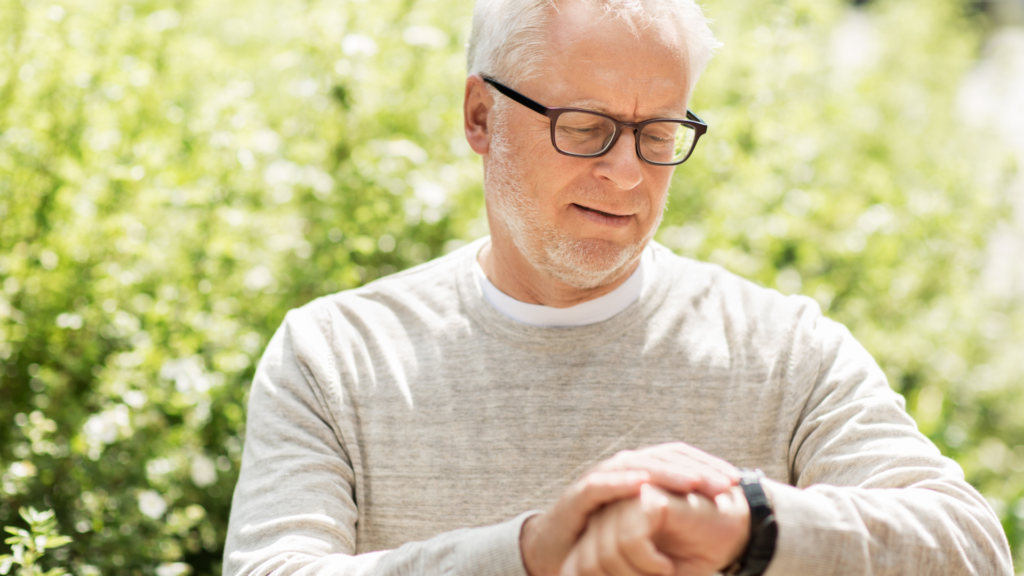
<point x="405" y="427"/>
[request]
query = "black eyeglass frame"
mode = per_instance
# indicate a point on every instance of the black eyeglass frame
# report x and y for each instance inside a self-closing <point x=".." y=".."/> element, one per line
<point x="698" y="125"/>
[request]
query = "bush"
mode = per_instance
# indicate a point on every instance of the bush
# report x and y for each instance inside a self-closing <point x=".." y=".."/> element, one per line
<point x="29" y="546"/>
<point x="175" y="176"/>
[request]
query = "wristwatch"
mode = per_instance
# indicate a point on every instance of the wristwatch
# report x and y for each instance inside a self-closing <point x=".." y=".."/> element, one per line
<point x="763" y="530"/>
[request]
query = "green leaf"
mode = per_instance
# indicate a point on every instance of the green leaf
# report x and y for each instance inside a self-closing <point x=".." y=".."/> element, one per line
<point x="58" y="541"/>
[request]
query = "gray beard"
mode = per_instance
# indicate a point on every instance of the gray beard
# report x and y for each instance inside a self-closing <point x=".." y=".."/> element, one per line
<point x="582" y="264"/>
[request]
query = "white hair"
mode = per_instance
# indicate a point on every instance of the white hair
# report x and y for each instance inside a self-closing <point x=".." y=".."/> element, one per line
<point x="507" y="36"/>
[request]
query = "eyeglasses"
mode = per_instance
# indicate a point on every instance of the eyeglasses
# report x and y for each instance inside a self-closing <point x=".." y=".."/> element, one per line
<point x="588" y="134"/>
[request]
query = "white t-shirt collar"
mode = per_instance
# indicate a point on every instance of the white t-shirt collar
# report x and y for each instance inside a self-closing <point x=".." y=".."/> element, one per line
<point x="589" y="312"/>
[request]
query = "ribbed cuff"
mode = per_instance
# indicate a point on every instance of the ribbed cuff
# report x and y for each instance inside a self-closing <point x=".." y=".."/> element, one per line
<point x="807" y="542"/>
<point x="494" y="550"/>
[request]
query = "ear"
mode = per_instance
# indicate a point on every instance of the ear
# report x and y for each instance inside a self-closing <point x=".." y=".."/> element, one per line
<point x="476" y="107"/>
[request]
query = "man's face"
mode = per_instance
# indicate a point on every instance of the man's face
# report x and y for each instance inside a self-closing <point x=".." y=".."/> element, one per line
<point x="585" y="220"/>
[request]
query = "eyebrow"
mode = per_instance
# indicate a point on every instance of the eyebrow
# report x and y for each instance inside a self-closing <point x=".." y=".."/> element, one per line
<point x="596" y="106"/>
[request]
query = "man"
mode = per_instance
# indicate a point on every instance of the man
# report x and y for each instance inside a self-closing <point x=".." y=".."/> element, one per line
<point x="417" y="425"/>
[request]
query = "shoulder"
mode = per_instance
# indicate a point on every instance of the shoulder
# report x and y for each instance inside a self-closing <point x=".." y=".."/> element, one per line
<point x="710" y="292"/>
<point x="739" y="322"/>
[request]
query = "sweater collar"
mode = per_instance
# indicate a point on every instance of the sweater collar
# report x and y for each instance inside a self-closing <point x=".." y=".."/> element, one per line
<point x="491" y="321"/>
<point x="583" y="314"/>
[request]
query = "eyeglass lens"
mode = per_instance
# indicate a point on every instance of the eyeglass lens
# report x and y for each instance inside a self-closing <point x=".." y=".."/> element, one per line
<point x="586" y="134"/>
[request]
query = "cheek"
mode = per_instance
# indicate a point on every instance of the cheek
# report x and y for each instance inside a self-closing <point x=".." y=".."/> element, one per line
<point x="658" y="194"/>
<point x="554" y="177"/>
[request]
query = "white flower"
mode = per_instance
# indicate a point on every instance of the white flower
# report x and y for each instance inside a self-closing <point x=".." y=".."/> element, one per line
<point x="282" y="172"/>
<point x="104" y="428"/>
<point x="24" y="469"/>
<point x="135" y="398"/>
<point x="258" y="278"/>
<point x="173" y="569"/>
<point x="187" y="373"/>
<point x="157" y="469"/>
<point x="358" y="44"/>
<point x="425" y="36"/>
<point x="400" y="149"/>
<point x="163" y="20"/>
<point x="431" y="194"/>
<point x="48" y="259"/>
<point x="151" y="504"/>
<point x="204" y="471"/>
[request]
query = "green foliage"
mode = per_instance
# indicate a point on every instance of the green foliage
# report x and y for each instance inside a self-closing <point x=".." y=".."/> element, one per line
<point x="175" y="176"/>
<point x="29" y="546"/>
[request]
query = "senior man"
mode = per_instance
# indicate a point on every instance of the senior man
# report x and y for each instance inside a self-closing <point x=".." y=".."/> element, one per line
<point x="472" y="415"/>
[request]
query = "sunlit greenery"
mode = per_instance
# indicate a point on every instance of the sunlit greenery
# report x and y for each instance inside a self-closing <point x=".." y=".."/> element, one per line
<point x="29" y="546"/>
<point x="175" y="176"/>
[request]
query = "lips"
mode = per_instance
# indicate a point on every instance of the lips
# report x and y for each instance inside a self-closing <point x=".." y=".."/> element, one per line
<point x="596" y="211"/>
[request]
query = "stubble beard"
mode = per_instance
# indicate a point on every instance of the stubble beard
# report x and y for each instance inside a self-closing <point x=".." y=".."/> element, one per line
<point x="580" y="263"/>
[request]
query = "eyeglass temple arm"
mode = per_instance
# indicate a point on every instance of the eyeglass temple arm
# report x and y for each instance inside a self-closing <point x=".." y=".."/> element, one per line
<point x="532" y="105"/>
<point x="541" y="109"/>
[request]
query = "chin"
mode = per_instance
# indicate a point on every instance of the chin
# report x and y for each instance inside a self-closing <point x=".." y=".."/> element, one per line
<point x="586" y="264"/>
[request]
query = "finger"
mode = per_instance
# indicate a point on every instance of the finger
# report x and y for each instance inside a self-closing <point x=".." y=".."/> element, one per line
<point x="653" y="504"/>
<point x="701" y="505"/>
<point x="675" y="453"/>
<point x="590" y="547"/>
<point x="683" y="449"/>
<point x="689" y="510"/>
<point x="644" y="556"/>
<point x="685" y="454"/>
<point x="684" y="473"/>
<point x="671" y="470"/>
<point x="706" y="481"/>
<point x="594" y="490"/>
<point x="571" y="565"/>
<point x="611" y="535"/>
<point x="635" y="531"/>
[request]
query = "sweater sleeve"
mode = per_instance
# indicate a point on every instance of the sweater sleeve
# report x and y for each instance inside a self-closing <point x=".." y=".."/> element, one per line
<point x="294" y="509"/>
<point x="872" y="495"/>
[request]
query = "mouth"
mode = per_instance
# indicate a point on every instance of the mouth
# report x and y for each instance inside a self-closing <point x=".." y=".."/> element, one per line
<point x="601" y="219"/>
<point x="595" y="211"/>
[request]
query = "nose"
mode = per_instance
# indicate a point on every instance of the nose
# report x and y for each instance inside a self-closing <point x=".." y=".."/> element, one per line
<point x="621" y="165"/>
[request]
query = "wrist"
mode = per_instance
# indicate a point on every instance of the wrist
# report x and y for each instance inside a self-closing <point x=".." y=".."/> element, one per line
<point x="743" y="529"/>
<point x="528" y="547"/>
<point x="527" y="540"/>
<point x="763" y="532"/>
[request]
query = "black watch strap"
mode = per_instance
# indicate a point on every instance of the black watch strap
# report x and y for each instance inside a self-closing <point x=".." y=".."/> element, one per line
<point x="763" y="530"/>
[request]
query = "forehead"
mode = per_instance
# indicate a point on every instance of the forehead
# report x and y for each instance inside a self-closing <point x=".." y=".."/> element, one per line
<point x="595" y="60"/>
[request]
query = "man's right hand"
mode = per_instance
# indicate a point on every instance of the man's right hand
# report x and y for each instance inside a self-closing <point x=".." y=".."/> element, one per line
<point x="662" y="534"/>
<point x="547" y="538"/>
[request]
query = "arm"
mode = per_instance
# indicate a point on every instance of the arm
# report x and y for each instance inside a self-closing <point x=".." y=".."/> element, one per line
<point x="295" y="508"/>
<point x="872" y="495"/>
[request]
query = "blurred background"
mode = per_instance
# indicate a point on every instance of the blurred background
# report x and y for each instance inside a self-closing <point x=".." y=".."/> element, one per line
<point x="175" y="175"/>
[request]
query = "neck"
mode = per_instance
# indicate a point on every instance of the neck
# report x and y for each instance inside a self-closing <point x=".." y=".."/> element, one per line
<point x="509" y="271"/>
